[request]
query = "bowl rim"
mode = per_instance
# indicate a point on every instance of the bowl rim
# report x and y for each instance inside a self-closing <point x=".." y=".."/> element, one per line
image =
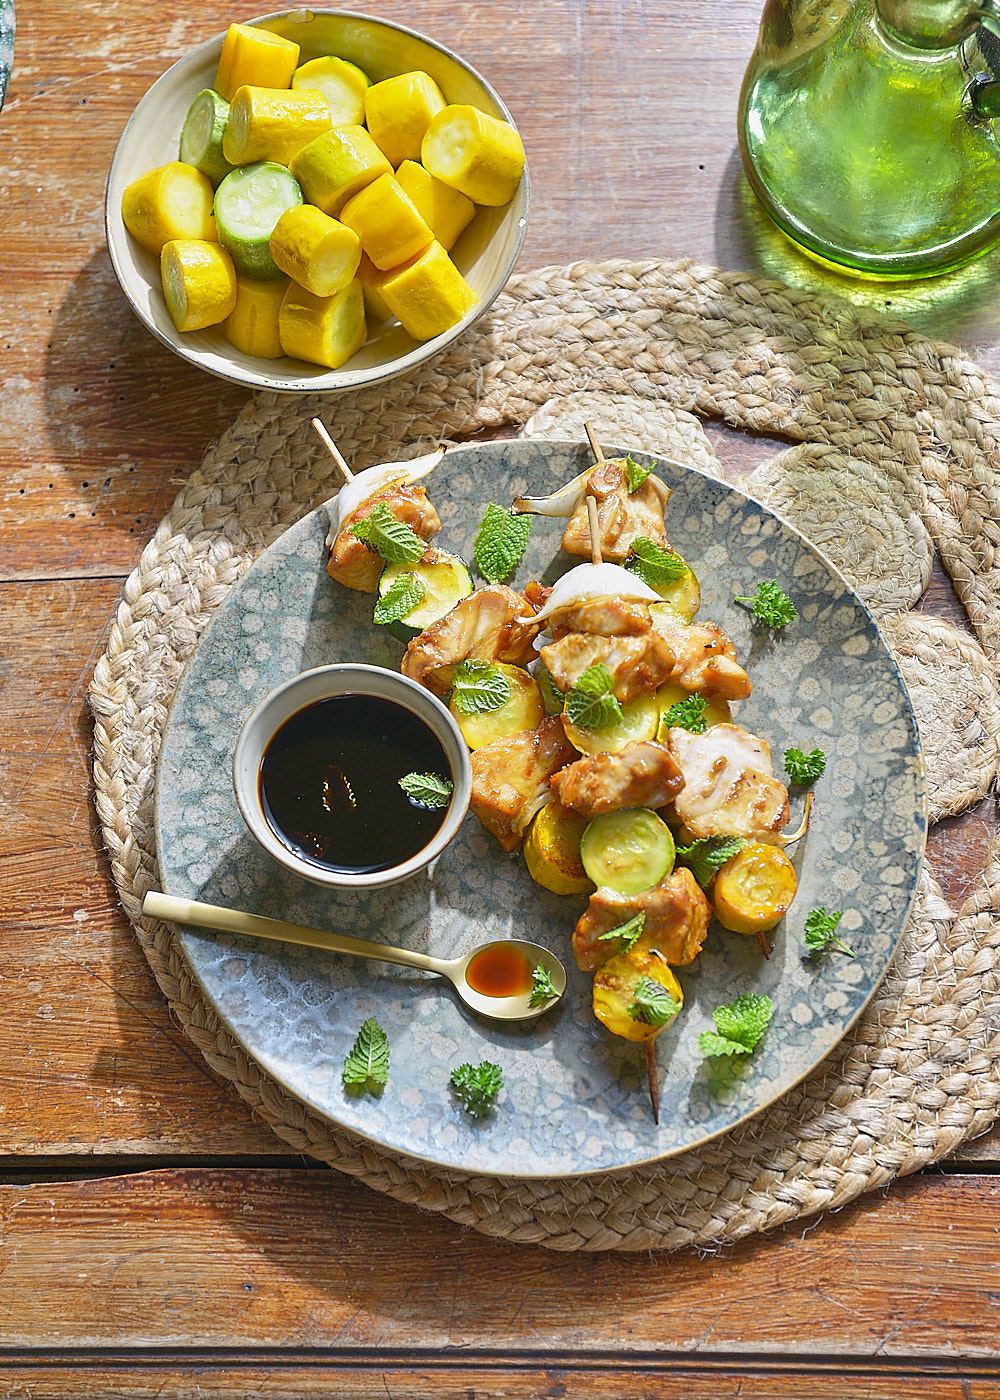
<point x="327" y="682"/>
<point x="320" y="380"/>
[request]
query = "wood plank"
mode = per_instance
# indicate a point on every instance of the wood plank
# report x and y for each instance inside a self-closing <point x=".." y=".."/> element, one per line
<point x="284" y="1260"/>
<point x="276" y="1376"/>
<point x="92" y="1060"/>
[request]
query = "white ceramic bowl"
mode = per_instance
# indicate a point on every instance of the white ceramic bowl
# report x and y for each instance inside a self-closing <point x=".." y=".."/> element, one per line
<point x="485" y="252"/>
<point x="323" y="683"/>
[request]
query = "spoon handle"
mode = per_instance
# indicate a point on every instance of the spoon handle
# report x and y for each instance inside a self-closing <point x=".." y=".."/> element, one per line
<point x="214" y="916"/>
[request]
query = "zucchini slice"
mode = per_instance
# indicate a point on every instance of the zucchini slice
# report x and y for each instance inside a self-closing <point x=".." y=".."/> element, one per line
<point x="627" y="851"/>
<point x="201" y="135"/>
<point x="446" y="581"/>
<point x="248" y="204"/>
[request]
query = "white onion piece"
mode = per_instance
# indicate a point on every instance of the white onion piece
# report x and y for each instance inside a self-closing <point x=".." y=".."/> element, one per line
<point x="590" y="581"/>
<point x="362" y="487"/>
<point x="565" y="501"/>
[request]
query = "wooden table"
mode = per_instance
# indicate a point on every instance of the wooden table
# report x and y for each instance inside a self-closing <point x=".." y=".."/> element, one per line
<point x="153" y="1236"/>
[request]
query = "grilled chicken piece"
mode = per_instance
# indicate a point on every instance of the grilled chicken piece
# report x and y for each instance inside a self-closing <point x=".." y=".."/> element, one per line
<point x="729" y="784"/>
<point x="353" y="563"/>
<point x="492" y="624"/>
<point x="622" y="516"/>
<point x="642" y="774"/>
<point x="637" y="663"/>
<point x="677" y="915"/>
<point x="510" y="778"/>
<point x="706" y="661"/>
<point x="605" y="617"/>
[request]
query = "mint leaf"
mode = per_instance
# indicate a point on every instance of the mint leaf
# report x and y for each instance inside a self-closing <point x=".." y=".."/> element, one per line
<point x="655" y="566"/>
<point x="479" y="687"/>
<point x="367" y="1063"/>
<point x="405" y="593"/>
<point x="653" y="1004"/>
<point x="427" y="789"/>
<point x="500" y="543"/>
<point x="738" y="1026"/>
<point x="591" y="703"/>
<point x="706" y="856"/>
<point x="635" y="474"/>
<point x="629" y="933"/>
<point x="477" y="1086"/>
<point x="393" y="539"/>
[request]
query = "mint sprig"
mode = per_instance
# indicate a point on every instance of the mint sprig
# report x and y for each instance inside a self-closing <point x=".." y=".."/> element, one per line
<point x="706" y="856"/>
<point x="636" y="474"/>
<point x="427" y="789"/>
<point x="655" y="566"/>
<point x="479" y="687"/>
<point x="652" y="1003"/>
<point x="591" y="702"/>
<point x="627" y="933"/>
<point x="405" y="593"/>
<point x="393" y="539"/>
<point x="500" y="543"/>
<point x="367" y="1062"/>
<point x="738" y="1026"/>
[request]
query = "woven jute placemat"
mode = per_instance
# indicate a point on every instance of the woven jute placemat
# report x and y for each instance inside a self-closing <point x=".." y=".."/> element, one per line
<point x="897" y="454"/>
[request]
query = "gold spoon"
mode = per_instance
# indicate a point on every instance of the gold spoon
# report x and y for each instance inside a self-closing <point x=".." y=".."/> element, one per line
<point x="509" y="1007"/>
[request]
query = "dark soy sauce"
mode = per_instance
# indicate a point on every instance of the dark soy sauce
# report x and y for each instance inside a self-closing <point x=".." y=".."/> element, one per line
<point x="329" y="783"/>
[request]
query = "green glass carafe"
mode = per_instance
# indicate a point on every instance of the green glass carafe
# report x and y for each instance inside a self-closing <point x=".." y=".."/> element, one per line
<point x="866" y="131"/>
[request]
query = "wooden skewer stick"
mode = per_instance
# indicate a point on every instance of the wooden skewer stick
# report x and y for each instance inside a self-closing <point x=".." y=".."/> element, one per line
<point x="595" y="532"/>
<point x="333" y="450"/>
<point x="595" y="446"/>
<point x="654" y="1078"/>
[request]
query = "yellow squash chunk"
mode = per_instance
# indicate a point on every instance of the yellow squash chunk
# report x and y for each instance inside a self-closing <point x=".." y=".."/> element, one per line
<point x="199" y="283"/>
<point x="252" y="325"/>
<point x="522" y="710"/>
<point x="343" y="84"/>
<point x="323" y="330"/>
<point x="474" y="153"/>
<point x="387" y="222"/>
<point x="443" y="210"/>
<point x="172" y="201"/>
<point x="336" y="165"/>
<point x="375" y="304"/>
<point x="672" y="693"/>
<point x="754" y="889"/>
<point x="316" y="251"/>
<point x="615" y="982"/>
<point x="428" y="294"/>
<point x="399" y="110"/>
<point x="256" y="56"/>
<point x="552" y="850"/>
<point x="270" y="124"/>
<point x="640" y="716"/>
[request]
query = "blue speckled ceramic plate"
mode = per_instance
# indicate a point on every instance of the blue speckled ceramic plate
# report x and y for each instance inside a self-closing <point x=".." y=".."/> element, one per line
<point x="575" y="1098"/>
<point x="7" y="26"/>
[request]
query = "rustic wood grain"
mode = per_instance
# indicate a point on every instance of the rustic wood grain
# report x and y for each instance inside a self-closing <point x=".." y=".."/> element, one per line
<point x="311" y="1261"/>
<point x="245" y="1278"/>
